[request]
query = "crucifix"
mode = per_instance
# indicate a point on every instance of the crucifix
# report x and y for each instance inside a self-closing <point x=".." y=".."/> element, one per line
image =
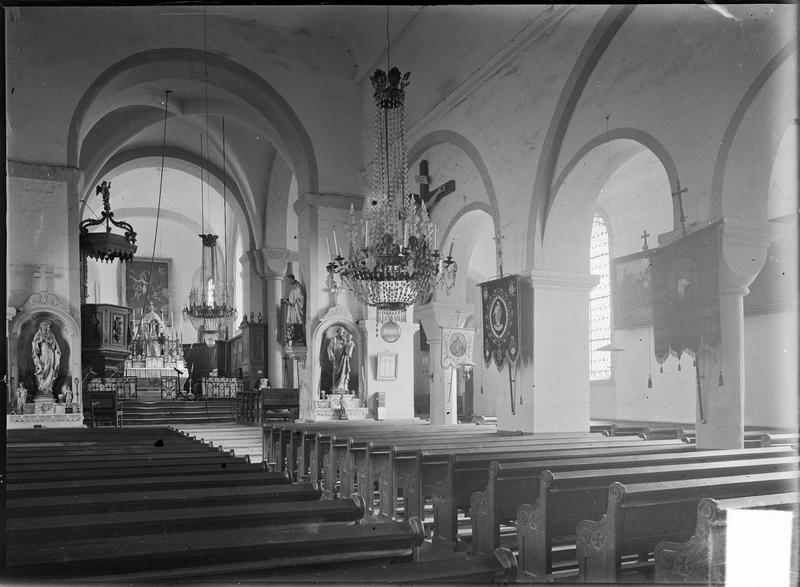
<point x="677" y="194"/>
<point x="42" y="274"/>
<point x="432" y="197"/>
<point x="499" y="251"/>
<point x="644" y="238"/>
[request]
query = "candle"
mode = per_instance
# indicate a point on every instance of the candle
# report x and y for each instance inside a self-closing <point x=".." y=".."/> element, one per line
<point x="366" y="234"/>
<point x="171" y="320"/>
<point x="328" y="244"/>
<point x="405" y="233"/>
<point x="435" y="238"/>
<point x="335" y="243"/>
<point x="450" y="254"/>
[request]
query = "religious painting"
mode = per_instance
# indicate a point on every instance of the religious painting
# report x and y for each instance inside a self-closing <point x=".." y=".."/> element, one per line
<point x="457" y="346"/>
<point x="339" y="360"/>
<point x="775" y="287"/>
<point x="387" y="367"/>
<point x="632" y="290"/>
<point x="147" y="283"/>
<point x="686" y="293"/>
<point x="500" y="306"/>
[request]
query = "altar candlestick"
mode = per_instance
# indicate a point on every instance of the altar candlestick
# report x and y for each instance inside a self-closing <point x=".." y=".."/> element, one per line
<point x="435" y="237"/>
<point x="450" y="254"/>
<point x="336" y="244"/>
<point x="366" y="234"/>
<point x="171" y="320"/>
<point x="405" y="233"/>
<point x="328" y="244"/>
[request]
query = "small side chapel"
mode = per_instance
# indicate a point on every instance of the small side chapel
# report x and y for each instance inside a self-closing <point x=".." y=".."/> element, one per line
<point x="418" y="229"/>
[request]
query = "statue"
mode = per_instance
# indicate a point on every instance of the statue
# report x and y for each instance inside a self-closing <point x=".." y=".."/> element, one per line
<point x="296" y="311"/>
<point x="68" y="397"/>
<point x="46" y="359"/>
<point x="340" y="350"/>
<point x="21" y="399"/>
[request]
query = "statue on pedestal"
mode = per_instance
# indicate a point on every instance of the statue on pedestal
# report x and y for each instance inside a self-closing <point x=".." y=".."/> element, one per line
<point x="46" y="360"/>
<point x="296" y="312"/>
<point x="340" y="350"/>
<point x="21" y="399"/>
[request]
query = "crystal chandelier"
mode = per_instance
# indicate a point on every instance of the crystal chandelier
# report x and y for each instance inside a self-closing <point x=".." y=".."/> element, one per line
<point x="210" y="308"/>
<point x="392" y="260"/>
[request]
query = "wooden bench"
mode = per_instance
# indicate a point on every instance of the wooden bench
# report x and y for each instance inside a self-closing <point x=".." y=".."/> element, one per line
<point x="774" y="439"/>
<point x="33" y="529"/>
<point x="702" y="559"/>
<point x="105" y="408"/>
<point x="640" y="515"/>
<point x="220" y="552"/>
<point x="425" y="474"/>
<point x="512" y="483"/>
<point x="568" y="497"/>
<point x="283" y="403"/>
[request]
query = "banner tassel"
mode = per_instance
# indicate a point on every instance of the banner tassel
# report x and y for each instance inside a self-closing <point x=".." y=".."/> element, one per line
<point x="721" y="380"/>
<point x="649" y="382"/>
<point x="661" y="369"/>
<point x="679" y="365"/>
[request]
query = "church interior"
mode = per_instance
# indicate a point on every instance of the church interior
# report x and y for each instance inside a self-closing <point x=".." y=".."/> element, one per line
<point x="401" y="293"/>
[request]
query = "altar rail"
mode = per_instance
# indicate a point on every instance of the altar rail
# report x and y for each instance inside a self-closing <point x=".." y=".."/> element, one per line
<point x="220" y="387"/>
<point x="122" y="387"/>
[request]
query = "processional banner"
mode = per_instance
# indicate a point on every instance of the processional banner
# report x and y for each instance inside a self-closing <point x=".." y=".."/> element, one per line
<point x="457" y="346"/>
<point x="686" y="294"/>
<point x="500" y="306"/>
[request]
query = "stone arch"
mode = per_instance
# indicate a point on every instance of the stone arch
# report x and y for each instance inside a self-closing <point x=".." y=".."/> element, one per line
<point x="732" y="138"/>
<point x="599" y="40"/>
<point x="465" y="145"/>
<point x="290" y="136"/>
<point x="566" y="234"/>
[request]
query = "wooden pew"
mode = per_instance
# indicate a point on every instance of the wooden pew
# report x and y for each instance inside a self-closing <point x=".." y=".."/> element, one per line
<point x="512" y="483"/>
<point x="280" y="403"/>
<point x="166" y="498"/>
<point x="702" y="558"/>
<point x="497" y="567"/>
<point x="32" y="529"/>
<point x="139" y="470"/>
<point x="639" y="515"/>
<point x="159" y="557"/>
<point x="426" y="474"/>
<point x="775" y="439"/>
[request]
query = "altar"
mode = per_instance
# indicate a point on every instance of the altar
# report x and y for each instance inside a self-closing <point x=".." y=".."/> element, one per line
<point x="154" y="354"/>
<point x="339" y="406"/>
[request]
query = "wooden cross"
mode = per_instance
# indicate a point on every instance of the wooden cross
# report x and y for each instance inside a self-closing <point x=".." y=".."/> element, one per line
<point x="42" y="274"/>
<point x="432" y="197"/>
<point x="644" y="238"/>
<point x="499" y="251"/>
<point x="677" y="194"/>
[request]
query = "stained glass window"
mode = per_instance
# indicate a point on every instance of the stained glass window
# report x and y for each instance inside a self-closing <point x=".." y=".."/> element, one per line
<point x="600" y="300"/>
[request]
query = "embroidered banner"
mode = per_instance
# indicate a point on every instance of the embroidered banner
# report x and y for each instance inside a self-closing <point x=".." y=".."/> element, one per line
<point x="457" y="346"/>
<point x="500" y="306"/>
<point x="686" y="294"/>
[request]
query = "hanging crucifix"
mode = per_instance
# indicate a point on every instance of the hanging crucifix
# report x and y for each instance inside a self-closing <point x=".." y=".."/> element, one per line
<point x="677" y="194"/>
<point x="432" y="197"/>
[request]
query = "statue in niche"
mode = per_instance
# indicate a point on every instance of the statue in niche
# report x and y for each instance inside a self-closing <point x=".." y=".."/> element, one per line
<point x="340" y="351"/>
<point x="66" y="391"/>
<point x="46" y="358"/>
<point x="296" y="312"/>
<point x="117" y="329"/>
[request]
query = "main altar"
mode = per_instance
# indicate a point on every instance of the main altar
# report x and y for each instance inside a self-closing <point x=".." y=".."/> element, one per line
<point x="155" y="350"/>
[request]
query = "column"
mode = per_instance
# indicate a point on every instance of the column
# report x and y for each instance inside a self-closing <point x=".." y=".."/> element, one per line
<point x="721" y="423"/>
<point x="275" y="263"/>
<point x="552" y="378"/>
<point x="443" y="395"/>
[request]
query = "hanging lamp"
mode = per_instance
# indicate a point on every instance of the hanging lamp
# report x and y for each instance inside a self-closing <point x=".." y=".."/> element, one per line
<point x="392" y="258"/>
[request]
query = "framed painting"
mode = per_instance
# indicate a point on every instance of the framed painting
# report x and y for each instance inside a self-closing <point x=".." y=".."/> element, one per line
<point x="631" y="290"/>
<point x="145" y="283"/>
<point x="387" y="367"/>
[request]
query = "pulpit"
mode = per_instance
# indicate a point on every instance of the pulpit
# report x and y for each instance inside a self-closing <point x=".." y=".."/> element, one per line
<point x="105" y="336"/>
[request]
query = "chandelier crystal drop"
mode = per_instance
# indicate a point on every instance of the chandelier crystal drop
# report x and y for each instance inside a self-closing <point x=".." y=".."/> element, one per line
<point x="392" y="259"/>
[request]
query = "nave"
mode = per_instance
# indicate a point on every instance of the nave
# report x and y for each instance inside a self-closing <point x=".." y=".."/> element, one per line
<point x="397" y="501"/>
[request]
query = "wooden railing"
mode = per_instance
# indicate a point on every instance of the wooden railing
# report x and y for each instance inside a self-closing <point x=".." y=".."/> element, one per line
<point x="221" y="387"/>
<point x="259" y="405"/>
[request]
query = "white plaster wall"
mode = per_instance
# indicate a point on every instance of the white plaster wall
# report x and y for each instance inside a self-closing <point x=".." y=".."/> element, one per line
<point x="38" y="231"/>
<point x="399" y="394"/>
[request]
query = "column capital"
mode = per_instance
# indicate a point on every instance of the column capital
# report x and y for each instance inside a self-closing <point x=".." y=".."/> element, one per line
<point x="563" y="280"/>
<point x="744" y="250"/>
<point x="434" y="315"/>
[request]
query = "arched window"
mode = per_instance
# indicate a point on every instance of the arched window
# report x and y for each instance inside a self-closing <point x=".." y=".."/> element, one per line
<point x="600" y="299"/>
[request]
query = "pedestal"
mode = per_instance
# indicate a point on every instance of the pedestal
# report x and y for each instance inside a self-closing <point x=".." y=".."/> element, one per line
<point x="330" y="408"/>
